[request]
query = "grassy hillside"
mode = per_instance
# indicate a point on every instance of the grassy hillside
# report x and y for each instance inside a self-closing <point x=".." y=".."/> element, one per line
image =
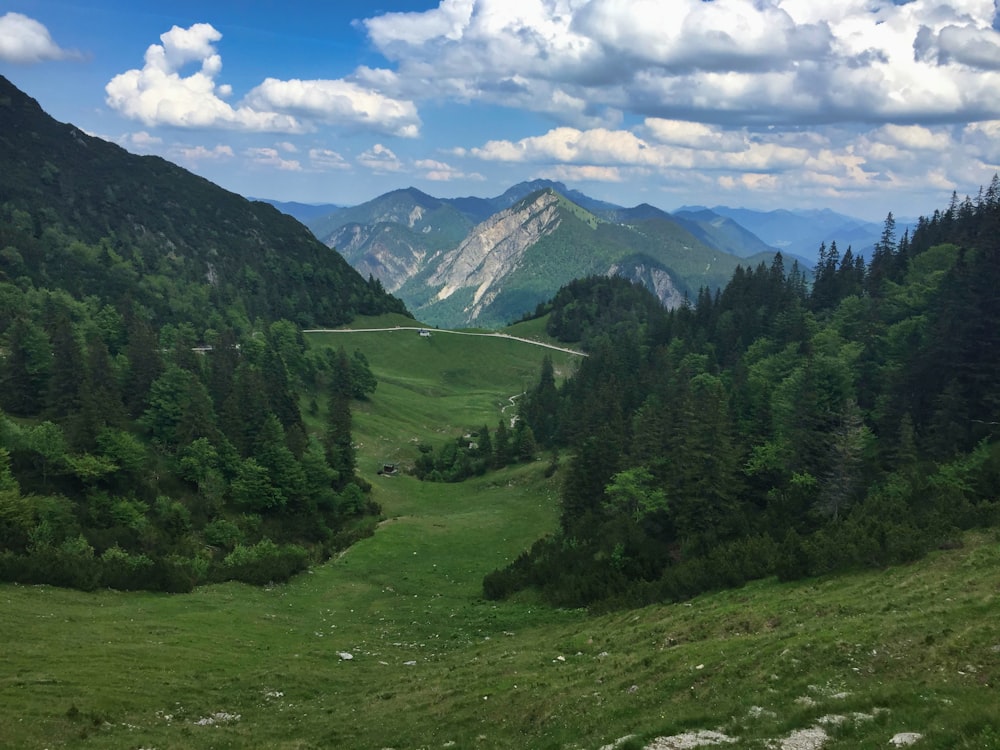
<point x="432" y="665"/>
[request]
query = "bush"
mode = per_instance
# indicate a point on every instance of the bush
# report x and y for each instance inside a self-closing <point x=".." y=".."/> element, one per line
<point x="222" y="533"/>
<point x="125" y="572"/>
<point x="264" y="562"/>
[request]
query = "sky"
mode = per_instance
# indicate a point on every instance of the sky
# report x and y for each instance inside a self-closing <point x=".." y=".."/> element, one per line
<point x="862" y="106"/>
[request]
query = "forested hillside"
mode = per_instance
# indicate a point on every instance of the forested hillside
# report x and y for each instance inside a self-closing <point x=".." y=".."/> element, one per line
<point x="151" y="369"/>
<point x="81" y="214"/>
<point x="774" y="428"/>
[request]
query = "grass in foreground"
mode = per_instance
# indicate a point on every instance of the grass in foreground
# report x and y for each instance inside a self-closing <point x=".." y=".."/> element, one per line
<point x="433" y="665"/>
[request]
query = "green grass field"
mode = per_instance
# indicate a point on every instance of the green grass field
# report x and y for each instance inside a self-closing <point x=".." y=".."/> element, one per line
<point x="911" y="649"/>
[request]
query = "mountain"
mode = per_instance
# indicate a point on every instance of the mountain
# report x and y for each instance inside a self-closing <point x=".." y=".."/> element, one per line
<point x="519" y="258"/>
<point x="90" y="218"/>
<point x="389" y="237"/>
<point x="801" y="232"/>
<point x="485" y="261"/>
<point x="304" y="212"/>
<point x="722" y="232"/>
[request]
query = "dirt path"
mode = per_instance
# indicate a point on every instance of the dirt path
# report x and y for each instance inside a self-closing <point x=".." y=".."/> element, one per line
<point x="435" y="331"/>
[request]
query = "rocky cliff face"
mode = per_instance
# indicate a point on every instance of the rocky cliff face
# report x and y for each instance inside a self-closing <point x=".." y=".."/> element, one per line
<point x="493" y="250"/>
<point x="486" y="262"/>
<point x="654" y="278"/>
<point x="381" y="251"/>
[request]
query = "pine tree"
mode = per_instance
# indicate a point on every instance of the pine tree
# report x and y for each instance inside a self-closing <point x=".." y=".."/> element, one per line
<point x="67" y="372"/>
<point x="144" y="365"/>
<point x="337" y="439"/>
<point x="501" y="445"/>
<point x="24" y="377"/>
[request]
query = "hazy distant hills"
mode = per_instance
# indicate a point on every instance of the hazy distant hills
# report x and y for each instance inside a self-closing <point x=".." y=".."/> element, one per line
<point x="304" y="212"/>
<point x="486" y="261"/>
<point x="800" y="232"/>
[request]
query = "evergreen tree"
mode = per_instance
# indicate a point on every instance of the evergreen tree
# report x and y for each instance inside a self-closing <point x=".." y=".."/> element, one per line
<point x="24" y="377"/>
<point x="337" y="439"/>
<point x="541" y="405"/>
<point x="502" y="452"/>
<point x="144" y="365"/>
<point x="67" y="372"/>
<point x="285" y="473"/>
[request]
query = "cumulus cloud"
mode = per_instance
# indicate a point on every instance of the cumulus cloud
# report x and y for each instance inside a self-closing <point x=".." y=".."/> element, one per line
<point x="161" y="94"/>
<point x="338" y="102"/>
<point x="724" y="62"/>
<point x="380" y="160"/>
<point x="198" y="154"/>
<point x="589" y="173"/>
<point x="270" y="157"/>
<point x="325" y="159"/>
<point x="826" y="162"/>
<point x="23" y="41"/>
<point x="439" y="171"/>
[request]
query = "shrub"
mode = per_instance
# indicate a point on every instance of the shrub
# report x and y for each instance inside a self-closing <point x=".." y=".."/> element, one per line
<point x="125" y="572"/>
<point x="264" y="562"/>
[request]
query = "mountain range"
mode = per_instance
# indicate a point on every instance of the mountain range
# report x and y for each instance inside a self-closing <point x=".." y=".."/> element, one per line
<point x="801" y="232"/>
<point x="485" y="261"/>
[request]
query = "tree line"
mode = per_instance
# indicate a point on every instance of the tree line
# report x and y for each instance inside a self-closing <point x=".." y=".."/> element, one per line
<point x="776" y="427"/>
<point x="135" y="458"/>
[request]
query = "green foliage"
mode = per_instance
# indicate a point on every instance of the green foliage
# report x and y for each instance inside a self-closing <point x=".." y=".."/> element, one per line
<point x="264" y="562"/>
<point x="151" y="351"/>
<point x="769" y="430"/>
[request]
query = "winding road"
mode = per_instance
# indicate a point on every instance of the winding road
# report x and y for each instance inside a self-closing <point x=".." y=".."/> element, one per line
<point x="435" y="331"/>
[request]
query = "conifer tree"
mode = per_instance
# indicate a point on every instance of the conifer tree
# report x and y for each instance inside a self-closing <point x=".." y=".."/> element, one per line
<point x="24" y="372"/>
<point x="67" y="372"/>
<point x="144" y="365"/>
<point x="337" y="439"/>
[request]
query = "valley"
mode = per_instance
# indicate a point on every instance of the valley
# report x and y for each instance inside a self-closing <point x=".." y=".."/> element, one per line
<point x="392" y="644"/>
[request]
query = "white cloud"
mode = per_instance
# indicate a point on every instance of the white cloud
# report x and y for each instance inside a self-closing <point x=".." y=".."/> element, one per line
<point x="338" y="102"/>
<point x="569" y="145"/>
<point x="827" y="162"/>
<point x="139" y="142"/>
<point x="23" y="41"/>
<point x="160" y="94"/>
<point x="693" y="135"/>
<point x="325" y="159"/>
<point x="570" y="173"/>
<point x="723" y="62"/>
<point x="198" y="154"/>
<point x="380" y="160"/>
<point x="270" y="157"/>
<point x="439" y="171"/>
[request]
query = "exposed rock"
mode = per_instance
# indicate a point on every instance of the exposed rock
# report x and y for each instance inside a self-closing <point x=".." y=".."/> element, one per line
<point x="902" y="739"/>
<point x="689" y="740"/>
<point x="493" y="250"/>
<point x="219" y="717"/>
<point x="803" y="739"/>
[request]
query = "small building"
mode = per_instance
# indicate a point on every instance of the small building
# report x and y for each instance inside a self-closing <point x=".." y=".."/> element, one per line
<point x="424" y="333"/>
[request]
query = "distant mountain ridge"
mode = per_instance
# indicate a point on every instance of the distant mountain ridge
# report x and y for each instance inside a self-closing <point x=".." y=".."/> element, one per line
<point x="800" y="232"/>
<point x="304" y="212"/>
<point x="486" y="261"/>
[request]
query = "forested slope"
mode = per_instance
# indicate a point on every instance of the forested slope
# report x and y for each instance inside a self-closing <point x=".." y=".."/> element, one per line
<point x="151" y="369"/>
<point x="774" y="428"/>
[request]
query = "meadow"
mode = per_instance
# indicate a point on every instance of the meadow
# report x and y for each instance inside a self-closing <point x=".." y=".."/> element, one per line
<point x="391" y="644"/>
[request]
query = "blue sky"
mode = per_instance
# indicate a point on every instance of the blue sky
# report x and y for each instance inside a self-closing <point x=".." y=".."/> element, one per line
<point x="864" y="106"/>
